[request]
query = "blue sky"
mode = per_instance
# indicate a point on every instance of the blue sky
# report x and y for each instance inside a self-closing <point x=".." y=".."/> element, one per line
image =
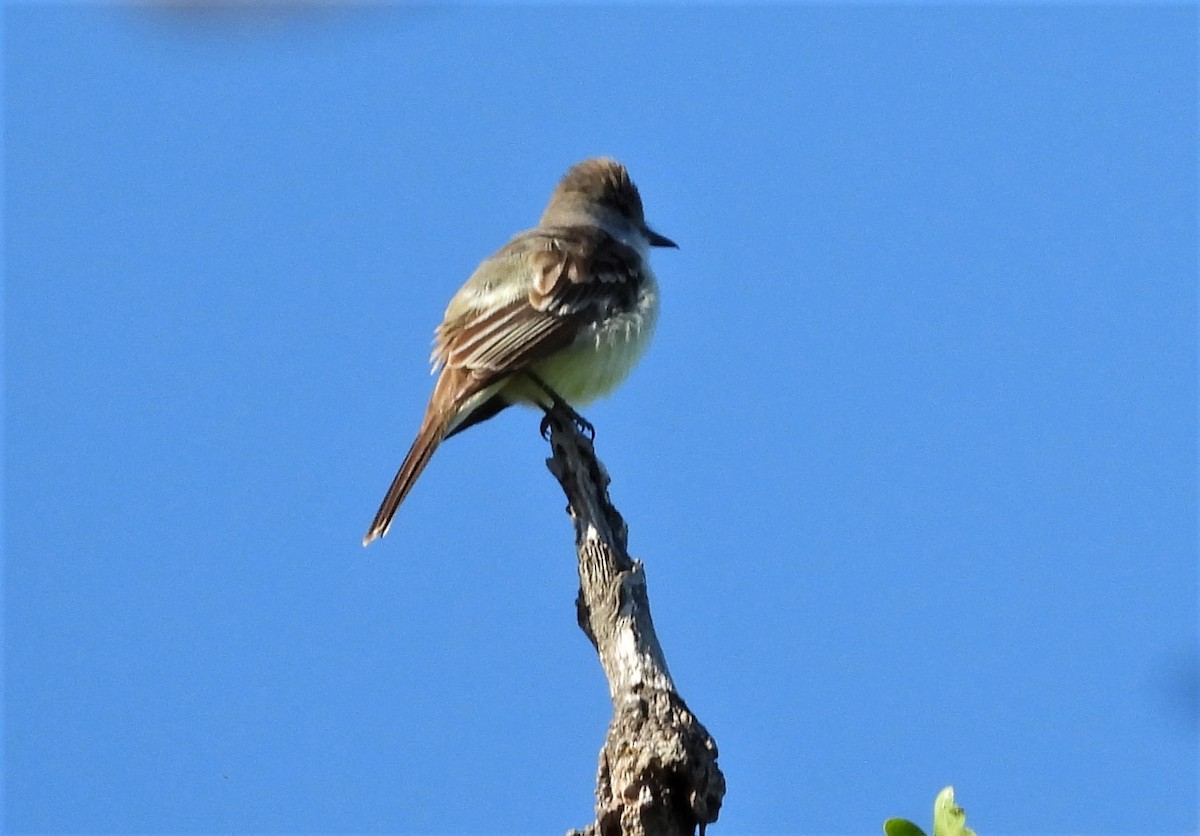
<point x="912" y="463"/>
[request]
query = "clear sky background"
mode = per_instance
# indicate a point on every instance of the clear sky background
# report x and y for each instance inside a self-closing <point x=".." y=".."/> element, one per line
<point x="912" y="463"/>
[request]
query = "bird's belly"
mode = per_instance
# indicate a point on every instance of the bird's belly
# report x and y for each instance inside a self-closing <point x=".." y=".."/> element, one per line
<point x="603" y="354"/>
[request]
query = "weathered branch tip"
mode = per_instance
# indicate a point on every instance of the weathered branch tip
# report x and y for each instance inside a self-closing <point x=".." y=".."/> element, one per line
<point x="658" y="773"/>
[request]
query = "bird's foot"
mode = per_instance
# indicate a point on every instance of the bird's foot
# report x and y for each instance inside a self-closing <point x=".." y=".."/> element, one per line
<point x="559" y="409"/>
<point x="563" y="409"/>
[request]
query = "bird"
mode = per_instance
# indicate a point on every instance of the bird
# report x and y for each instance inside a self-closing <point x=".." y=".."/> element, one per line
<point x="557" y="317"/>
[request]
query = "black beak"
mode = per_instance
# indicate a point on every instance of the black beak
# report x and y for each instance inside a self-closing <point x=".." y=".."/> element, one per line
<point x="657" y="240"/>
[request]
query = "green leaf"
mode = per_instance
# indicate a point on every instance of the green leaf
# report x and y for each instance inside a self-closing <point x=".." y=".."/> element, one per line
<point x="948" y="818"/>
<point x="901" y="827"/>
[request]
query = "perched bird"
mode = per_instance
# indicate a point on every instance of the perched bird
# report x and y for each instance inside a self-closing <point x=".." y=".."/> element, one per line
<point x="561" y="313"/>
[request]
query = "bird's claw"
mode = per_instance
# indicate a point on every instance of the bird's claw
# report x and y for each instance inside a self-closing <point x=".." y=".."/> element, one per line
<point x="582" y="425"/>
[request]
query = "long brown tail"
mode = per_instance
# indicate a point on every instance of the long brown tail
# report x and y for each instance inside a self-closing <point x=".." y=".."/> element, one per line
<point x="433" y="431"/>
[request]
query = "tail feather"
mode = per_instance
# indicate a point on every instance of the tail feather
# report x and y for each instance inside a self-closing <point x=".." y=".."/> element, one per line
<point x="432" y="433"/>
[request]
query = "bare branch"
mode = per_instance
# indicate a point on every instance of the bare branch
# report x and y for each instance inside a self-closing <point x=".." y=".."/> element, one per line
<point x="658" y="771"/>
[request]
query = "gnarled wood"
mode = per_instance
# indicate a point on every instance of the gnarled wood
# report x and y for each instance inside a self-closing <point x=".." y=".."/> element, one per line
<point x="658" y="772"/>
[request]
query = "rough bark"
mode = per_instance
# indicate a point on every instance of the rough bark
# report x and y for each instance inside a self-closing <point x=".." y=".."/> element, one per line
<point x="658" y="772"/>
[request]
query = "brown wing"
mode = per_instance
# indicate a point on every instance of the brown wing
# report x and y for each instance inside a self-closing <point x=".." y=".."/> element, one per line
<point x="565" y="277"/>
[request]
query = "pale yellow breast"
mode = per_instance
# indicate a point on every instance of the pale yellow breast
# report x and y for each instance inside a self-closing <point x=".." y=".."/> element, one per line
<point x="603" y="354"/>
